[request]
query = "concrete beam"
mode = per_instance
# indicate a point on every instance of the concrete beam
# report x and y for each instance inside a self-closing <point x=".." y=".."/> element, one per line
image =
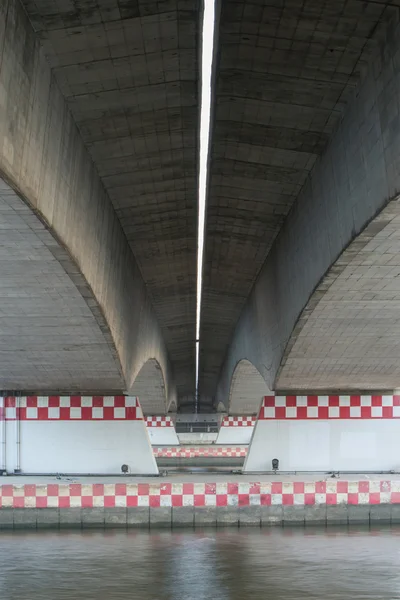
<point x="351" y="183"/>
<point x="43" y="159"/>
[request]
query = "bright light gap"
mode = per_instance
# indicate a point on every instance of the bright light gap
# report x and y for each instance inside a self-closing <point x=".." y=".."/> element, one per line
<point x="205" y="118"/>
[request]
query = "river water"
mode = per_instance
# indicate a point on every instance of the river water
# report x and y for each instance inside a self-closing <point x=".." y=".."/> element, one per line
<point x="267" y="564"/>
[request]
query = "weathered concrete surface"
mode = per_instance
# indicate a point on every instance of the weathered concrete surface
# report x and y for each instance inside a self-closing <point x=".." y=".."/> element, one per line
<point x="286" y="72"/>
<point x="353" y="180"/>
<point x="348" y="334"/>
<point x="247" y="390"/>
<point x="129" y="72"/>
<point x="43" y="158"/>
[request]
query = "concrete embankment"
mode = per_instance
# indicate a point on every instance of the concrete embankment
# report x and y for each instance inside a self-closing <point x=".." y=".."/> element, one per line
<point x="197" y="501"/>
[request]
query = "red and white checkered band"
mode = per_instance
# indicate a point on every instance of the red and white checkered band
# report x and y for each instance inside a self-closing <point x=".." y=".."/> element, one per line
<point x="161" y="421"/>
<point x="238" y="422"/>
<point x="196" y="452"/>
<point x="70" y="408"/>
<point x="330" y="407"/>
<point x="76" y="495"/>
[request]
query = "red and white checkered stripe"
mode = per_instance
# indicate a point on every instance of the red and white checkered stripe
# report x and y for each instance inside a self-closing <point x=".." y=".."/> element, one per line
<point x="330" y="407"/>
<point x="199" y="494"/>
<point x="199" y="452"/>
<point x="238" y="421"/>
<point x="70" y="408"/>
<point x="161" y="421"/>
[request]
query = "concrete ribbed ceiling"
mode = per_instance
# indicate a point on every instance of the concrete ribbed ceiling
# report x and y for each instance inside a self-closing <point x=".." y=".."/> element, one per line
<point x="129" y="71"/>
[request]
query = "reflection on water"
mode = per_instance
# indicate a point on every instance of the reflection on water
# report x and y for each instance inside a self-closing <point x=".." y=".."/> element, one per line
<point x="278" y="564"/>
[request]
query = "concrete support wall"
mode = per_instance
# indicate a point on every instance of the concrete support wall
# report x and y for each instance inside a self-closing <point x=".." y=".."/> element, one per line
<point x="43" y="158"/>
<point x="166" y="504"/>
<point x="327" y="433"/>
<point x="351" y="182"/>
<point x="161" y="431"/>
<point x="75" y="434"/>
<point x="236" y="430"/>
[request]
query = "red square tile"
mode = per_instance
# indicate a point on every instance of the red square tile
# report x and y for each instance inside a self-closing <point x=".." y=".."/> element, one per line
<point x="130" y="413"/>
<point x="309" y="499"/>
<point x="199" y="500"/>
<point x="31" y="401"/>
<point x="75" y="489"/>
<point x="9" y="402"/>
<point x="363" y="486"/>
<point x="333" y="401"/>
<point x="396" y="400"/>
<point x="280" y="412"/>
<point x="302" y="412"/>
<point x="312" y="400"/>
<point x="352" y="498"/>
<point x="270" y="401"/>
<point x="254" y="488"/>
<point x="342" y="487"/>
<point x="243" y="500"/>
<point x="119" y="401"/>
<point x="143" y="489"/>
<point x="87" y="501"/>
<point x="7" y="490"/>
<point x="320" y="487"/>
<point x="109" y="501"/>
<point x="222" y="499"/>
<point x="154" y="501"/>
<point x="75" y="401"/>
<point x="276" y="487"/>
<point x="265" y="499"/>
<point x="64" y="502"/>
<point x="188" y="488"/>
<point x="287" y="499"/>
<point x="21" y="414"/>
<point x="290" y="400"/>
<point x="18" y="502"/>
<point x="43" y="414"/>
<point x="120" y="489"/>
<point x="177" y="500"/>
<point x="365" y="412"/>
<point x="52" y="489"/>
<point x="395" y="497"/>
<point x="131" y="500"/>
<point x="387" y="412"/>
<point x="41" y="501"/>
<point x="323" y="412"/>
<point x="108" y="413"/>
<point x="376" y="400"/>
<point x="64" y="413"/>
<point x="298" y="487"/>
<point x="54" y="401"/>
<point x="233" y="488"/>
<point x="374" y="498"/>
<point x="355" y="400"/>
<point x="331" y="498"/>
<point x="86" y="413"/>
<point x="344" y="412"/>
<point x="98" y="489"/>
<point x="210" y="489"/>
<point x="30" y="490"/>
<point x="98" y="401"/>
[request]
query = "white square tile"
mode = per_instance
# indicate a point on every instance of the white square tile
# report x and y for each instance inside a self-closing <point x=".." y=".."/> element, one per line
<point x="333" y="412"/>
<point x="312" y="412"/>
<point x="75" y="413"/>
<point x="355" y="412"/>
<point x="54" y="412"/>
<point x="376" y="411"/>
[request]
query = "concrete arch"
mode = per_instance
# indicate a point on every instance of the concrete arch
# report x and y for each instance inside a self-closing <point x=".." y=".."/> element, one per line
<point x="43" y="159"/>
<point x="349" y="186"/>
<point x="247" y="389"/>
<point x="149" y="387"/>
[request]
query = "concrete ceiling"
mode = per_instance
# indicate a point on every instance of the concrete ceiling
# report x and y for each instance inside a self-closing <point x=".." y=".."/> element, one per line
<point x="129" y="71"/>
<point x="286" y="70"/>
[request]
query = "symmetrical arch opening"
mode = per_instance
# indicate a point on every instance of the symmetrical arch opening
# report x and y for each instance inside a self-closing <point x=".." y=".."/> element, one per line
<point x="247" y="389"/>
<point x="149" y="387"/>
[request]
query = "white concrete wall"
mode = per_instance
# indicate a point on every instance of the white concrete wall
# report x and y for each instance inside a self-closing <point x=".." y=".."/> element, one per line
<point x="80" y="447"/>
<point x="235" y="435"/>
<point x="163" y="436"/>
<point x="325" y="445"/>
<point x="197" y="438"/>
